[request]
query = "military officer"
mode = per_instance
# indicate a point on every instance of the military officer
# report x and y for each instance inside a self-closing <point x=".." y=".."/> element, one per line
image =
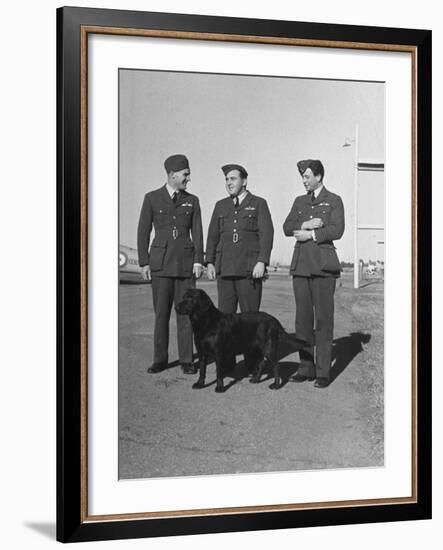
<point x="174" y="260"/>
<point x="239" y="244"/>
<point x="315" y="220"/>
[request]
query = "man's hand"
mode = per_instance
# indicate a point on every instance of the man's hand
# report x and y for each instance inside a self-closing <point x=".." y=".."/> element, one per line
<point x="197" y="271"/>
<point x="258" y="271"/>
<point x="303" y="235"/>
<point x="315" y="223"/>
<point x="146" y="273"/>
<point x="211" y="272"/>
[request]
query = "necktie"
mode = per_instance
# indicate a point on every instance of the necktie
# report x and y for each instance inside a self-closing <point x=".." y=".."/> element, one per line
<point x="174" y="196"/>
<point x="236" y="202"/>
<point x="311" y="193"/>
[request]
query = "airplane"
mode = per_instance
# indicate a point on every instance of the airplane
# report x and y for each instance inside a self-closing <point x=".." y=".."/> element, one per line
<point x="130" y="271"/>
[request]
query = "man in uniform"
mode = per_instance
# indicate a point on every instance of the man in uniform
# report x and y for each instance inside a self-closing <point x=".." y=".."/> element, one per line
<point x="316" y="220"/>
<point x="174" y="260"/>
<point x="239" y="244"/>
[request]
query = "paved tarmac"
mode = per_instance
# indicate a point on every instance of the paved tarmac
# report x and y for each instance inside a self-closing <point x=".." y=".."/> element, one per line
<point x="168" y="429"/>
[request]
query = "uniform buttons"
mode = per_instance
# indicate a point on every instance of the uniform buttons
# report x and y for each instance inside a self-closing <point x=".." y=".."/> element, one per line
<point x="235" y="221"/>
<point x="236" y="212"/>
<point x="174" y="217"/>
<point x="235" y="230"/>
<point x="310" y="216"/>
<point x="312" y="206"/>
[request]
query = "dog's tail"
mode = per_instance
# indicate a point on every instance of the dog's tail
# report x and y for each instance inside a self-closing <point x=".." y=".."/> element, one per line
<point x="292" y="340"/>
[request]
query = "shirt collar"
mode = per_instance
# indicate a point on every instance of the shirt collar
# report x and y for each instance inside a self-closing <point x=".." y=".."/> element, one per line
<point x="318" y="191"/>
<point x="241" y="196"/>
<point x="171" y="190"/>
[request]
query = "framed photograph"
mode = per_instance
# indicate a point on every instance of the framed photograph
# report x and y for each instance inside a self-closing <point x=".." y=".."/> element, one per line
<point x="270" y="182"/>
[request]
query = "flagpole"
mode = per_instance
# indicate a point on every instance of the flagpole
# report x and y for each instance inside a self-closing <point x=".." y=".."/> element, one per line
<point x="356" y="259"/>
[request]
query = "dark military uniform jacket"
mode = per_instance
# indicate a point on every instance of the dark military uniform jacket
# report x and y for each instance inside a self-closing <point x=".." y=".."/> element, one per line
<point x="172" y="252"/>
<point x="239" y="237"/>
<point x="316" y="258"/>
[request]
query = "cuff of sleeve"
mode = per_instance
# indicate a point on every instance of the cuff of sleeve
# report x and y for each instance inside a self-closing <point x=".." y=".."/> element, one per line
<point x="314" y="237"/>
<point x="197" y="264"/>
<point x="319" y="235"/>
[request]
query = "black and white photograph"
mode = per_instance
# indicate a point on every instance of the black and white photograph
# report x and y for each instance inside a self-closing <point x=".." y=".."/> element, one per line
<point x="251" y="274"/>
<point x="169" y="384"/>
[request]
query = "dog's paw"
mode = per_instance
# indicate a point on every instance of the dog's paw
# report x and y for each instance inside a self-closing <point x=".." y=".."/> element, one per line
<point x="275" y="386"/>
<point x="220" y="389"/>
<point x="198" y="385"/>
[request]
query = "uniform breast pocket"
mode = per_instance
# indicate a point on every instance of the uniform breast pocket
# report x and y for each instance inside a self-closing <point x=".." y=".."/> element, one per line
<point x="324" y="212"/>
<point x="249" y="221"/>
<point x="162" y="216"/>
<point x="185" y="217"/>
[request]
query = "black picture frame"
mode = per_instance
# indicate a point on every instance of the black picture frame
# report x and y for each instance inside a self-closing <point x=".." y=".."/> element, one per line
<point x="73" y="523"/>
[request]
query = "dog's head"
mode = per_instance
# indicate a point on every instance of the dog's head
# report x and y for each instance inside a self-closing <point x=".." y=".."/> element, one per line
<point x="195" y="302"/>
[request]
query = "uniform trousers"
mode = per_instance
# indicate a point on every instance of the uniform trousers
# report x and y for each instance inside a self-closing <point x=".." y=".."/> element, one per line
<point x="238" y="290"/>
<point x="314" y="323"/>
<point x="165" y="292"/>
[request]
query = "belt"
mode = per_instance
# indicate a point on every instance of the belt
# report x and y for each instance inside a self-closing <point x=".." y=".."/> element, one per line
<point x="174" y="232"/>
<point x="251" y="237"/>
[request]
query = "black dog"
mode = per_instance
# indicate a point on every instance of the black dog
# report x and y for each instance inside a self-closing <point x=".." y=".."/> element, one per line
<point x="222" y="336"/>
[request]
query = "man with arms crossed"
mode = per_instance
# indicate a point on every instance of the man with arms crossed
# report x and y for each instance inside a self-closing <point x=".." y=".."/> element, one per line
<point x="174" y="260"/>
<point x="316" y="220"/>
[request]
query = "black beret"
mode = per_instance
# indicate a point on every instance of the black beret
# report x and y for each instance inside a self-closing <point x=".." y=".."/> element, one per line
<point x="228" y="167"/>
<point x="315" y="165"/>
<point x="175" y="163"/>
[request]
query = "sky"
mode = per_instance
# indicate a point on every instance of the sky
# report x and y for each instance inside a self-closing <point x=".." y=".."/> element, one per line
<point x="265" y="124"/>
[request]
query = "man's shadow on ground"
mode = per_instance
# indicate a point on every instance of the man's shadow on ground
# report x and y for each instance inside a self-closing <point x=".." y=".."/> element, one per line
<point x="344" y="350"/>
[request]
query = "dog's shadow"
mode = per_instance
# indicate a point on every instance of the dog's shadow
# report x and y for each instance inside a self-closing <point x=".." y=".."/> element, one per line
<point x="240" y="372"/>
<point x="344" y="351"/>
<point x="176" y="363"/>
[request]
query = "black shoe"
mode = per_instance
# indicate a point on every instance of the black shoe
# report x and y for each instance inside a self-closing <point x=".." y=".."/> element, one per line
<point x="189" y="368"/>
<point x="300" y="378"/>
<point x="157" y="367"/>
<point x="321" y="383"/>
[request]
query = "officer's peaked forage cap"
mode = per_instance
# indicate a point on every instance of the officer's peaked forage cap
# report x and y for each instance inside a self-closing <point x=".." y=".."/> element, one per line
<point x="315" y="165"/>
<point x="228" y="167"/>
<point x="175" y="163"/>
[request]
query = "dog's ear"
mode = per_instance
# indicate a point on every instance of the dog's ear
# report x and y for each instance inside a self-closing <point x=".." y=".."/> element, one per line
<point x="205" y="301"/>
